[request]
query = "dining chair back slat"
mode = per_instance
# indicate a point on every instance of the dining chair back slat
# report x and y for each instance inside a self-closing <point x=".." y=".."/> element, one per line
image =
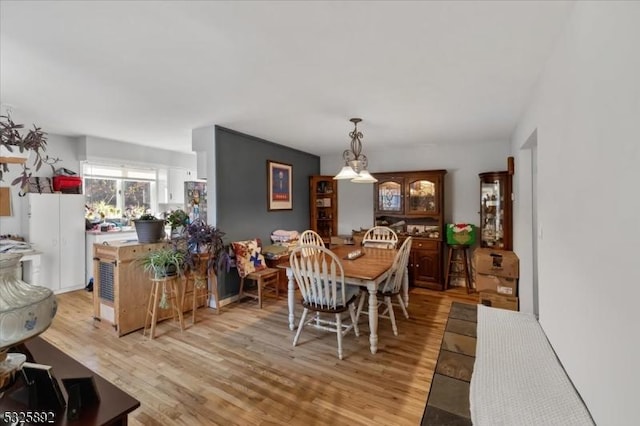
<point x="310" y="238"/>
<point x="393" y="284"/>
<point x="381" y="237"/>
<point x="320" y="278"/>
<point x="392" y="287"/>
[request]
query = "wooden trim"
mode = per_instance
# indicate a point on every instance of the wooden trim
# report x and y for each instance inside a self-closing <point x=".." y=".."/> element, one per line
<point x="13" y="160"/>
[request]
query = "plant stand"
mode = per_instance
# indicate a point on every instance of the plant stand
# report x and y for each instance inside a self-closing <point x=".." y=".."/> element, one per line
<point x="164" y="285"/>
<point x="200" y="292"/>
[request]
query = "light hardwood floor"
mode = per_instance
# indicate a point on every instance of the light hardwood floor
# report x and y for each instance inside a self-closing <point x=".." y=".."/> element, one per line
<point x="240" y="368"/>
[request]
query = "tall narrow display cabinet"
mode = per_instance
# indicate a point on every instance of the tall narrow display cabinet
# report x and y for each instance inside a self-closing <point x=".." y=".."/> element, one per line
<point x="323" y="208"/>
<point x="496" y="210"/>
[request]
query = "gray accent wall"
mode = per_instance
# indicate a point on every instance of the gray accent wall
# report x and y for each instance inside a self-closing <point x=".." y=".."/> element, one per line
<point x="241" y="176"/>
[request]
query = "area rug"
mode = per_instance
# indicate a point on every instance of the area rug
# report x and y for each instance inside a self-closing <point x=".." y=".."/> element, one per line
<point x="448" y="402"/>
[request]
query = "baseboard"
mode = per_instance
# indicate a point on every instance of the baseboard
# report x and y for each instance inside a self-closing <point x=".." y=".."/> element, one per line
<point x="223" y="302"/>
<point x="68" y="289"/>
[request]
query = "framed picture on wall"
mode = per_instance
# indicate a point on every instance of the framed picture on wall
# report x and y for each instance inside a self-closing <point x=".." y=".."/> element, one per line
<point x="279" y="177"/>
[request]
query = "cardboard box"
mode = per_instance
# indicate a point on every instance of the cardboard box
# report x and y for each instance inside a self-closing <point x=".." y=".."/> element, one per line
<point x="495" y="300"/>
<point x="501" y="263"/>
<point x="501" y="285"/>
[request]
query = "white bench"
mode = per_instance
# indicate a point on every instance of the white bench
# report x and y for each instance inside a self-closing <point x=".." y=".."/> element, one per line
<point x="517" y="378"/>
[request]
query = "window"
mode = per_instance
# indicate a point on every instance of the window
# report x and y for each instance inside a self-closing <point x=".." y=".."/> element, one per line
<point x="114" y="192"/>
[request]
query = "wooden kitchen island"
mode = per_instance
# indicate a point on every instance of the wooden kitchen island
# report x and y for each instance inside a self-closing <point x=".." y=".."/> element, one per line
<point x="121" y="286"/>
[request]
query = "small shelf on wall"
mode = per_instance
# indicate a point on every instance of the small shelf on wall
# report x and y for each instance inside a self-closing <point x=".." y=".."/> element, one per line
<point x="323" y="206"/>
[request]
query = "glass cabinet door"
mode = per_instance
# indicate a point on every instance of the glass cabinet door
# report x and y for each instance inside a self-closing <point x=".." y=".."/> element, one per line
<point x="492" y="214"/>
<point x="423" y="197"/>
<point x="496" y="210"/>
<point x="390" y="198"/>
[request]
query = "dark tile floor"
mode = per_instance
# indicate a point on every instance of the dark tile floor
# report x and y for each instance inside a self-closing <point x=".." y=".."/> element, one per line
<point x="448" y="402"/>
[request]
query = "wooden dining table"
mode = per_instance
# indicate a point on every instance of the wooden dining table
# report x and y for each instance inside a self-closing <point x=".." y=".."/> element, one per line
<point x="369" y="270"/>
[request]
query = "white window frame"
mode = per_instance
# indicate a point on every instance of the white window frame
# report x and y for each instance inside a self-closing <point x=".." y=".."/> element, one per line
<point x="121" y="174"/>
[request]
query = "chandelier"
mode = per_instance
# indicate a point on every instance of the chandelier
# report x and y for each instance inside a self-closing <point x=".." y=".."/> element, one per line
<point x="355" y="163"/>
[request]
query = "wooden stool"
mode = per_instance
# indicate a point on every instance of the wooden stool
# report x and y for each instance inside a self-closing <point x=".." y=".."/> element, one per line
<point x="199" y="291"/>
<point x="172" y="298"/>
<point x="461" y="260"/>
<point x="263" y="278"/>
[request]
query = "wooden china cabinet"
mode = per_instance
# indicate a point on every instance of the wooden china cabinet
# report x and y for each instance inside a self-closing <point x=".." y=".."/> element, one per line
<point x="323" y="208"/>
<point x="412" y="204"/>
<point x="496" y="210"/>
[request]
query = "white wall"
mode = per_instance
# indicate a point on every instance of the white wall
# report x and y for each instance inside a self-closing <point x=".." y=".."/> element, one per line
<point x="586" y="110"/>
<point x="203" y="142"/>
<point x="63" y="147"/>
<point x="462" y="185"/>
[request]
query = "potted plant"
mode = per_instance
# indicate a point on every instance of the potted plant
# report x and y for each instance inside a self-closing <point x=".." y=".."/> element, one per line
<point x="16" y="148"/>
<point x="149" y="228"/>
<point x="162" y="263"/>
<point x="178" y="219"/>
<point x="204" y="247"/>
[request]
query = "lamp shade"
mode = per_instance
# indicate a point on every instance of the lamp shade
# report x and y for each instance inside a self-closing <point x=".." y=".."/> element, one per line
<point x="346" y="173"/>
<point x="364" y="177"/>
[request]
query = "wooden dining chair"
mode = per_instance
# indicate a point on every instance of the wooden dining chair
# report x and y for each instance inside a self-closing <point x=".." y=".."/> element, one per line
<point x="380" y="237"/>
<point x="310" y="238"/>
<point x="392" y="287"/>
<point x="251" y="266"/>
<point x="320" y="278"/>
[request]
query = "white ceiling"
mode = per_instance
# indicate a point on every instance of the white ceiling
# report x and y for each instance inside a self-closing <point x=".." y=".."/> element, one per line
<point x="290" y="72"/>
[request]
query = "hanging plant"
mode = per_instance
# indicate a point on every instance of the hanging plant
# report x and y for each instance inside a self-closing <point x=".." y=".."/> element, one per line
<point x="14" y="146"/>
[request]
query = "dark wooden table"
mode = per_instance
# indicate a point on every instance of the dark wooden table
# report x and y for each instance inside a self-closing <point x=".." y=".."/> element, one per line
<point x="112" y="409"/>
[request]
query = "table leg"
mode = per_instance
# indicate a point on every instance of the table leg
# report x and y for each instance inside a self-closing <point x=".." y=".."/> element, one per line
<point x="290" y="299"/>
<point x="373" y="317"/>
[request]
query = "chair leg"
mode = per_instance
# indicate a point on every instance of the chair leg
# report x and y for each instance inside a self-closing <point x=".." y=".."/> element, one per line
<point x="260" y="284"/>
<point x="404" y="308"/>
<point x="354" y="320"/>
<point x="241" y="289"/>
<point x="387" y="299"/>
<point x="300" y="326"/>
<point x="339" y="333"/>
<point x="362" y="296"/>
<point x="447" y="276"/>
<point x="467" y="274"/>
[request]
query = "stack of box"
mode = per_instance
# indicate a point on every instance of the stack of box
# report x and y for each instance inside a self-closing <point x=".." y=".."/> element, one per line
<point x="496" y="277"/>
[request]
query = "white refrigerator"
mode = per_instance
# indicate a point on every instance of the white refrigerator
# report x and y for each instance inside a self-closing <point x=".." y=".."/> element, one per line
<point x="54" y="225"/>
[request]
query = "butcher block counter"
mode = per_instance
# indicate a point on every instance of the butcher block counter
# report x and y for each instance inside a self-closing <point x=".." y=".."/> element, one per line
<point x="121" y="286"/>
